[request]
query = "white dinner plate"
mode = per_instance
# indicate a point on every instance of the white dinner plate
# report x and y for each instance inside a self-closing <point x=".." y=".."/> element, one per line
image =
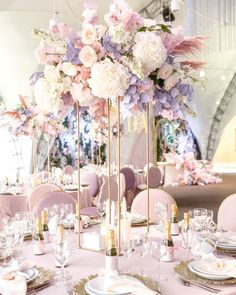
<point x="197" y="267"/>
<point x="30" y="274"/>
<point x="90" y="292"/>
<point x="71" y="188"/>
<point x="97" y="286"/>
<point x="227" y="244"/>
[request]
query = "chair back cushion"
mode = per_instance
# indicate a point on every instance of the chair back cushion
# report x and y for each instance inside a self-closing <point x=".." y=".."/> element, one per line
<point x="226" y="214"/>
<point x="92" y="180"/>
<point x="38" y="191"/>
<point x="154" y="177"/>
<point x="129" y="177"/>
<point x="53" y="198"/>
<point x="103" y="195"/>
<point x="140" y="202"/>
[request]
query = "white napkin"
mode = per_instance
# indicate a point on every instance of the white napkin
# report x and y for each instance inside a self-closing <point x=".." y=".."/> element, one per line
<point x="127" y="285"/>
<point x="13" y="286"/>
<point x="201" y="248"/>
<point x="219" y="266"/>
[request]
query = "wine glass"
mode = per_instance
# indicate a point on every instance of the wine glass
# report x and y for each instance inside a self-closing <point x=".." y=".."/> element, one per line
<point x="139" y="239"/>
<point x="200" y="221"/>
<point x="61" y="213"/>
<point x="156" y="253"/>
<point x="127" y="246"/>
<point x="101" y="207"/>
<point x="69" y="214"/>
<point x="62" y="249"/>
<point x="9" y="231"/>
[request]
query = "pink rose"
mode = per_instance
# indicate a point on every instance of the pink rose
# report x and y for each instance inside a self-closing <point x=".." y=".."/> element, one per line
<point x="62" y="30"/>
<point x="132" y="21"/>
<point x="87" y="56"/>
<point x="170" y="82"/>
<point x="89" y="34"/>
<point x="97" y="46"/>
<point x="84" y="74"/>
<point x="165" y="71"/>
<point x="112" y="18"/>
<point x="83" y="94"/>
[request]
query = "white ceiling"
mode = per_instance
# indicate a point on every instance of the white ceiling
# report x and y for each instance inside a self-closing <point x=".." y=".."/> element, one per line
<point x="17" y="62"/>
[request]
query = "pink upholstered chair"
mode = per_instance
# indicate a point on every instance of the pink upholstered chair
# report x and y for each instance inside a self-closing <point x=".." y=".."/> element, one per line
<point x="68" y="170"/>
<point x="122" y="185"/>
<point x="139" y="205"/>
<point x="226" y="214"/>
<point x="130" y="184"/>
<point x="103" y="195"/>
<point x="154" y="177"/>
<point x="92" y="180"/>
<point x="145" y="167"/>
<point x="53" y="198"/>
<point x="38" y="191"/>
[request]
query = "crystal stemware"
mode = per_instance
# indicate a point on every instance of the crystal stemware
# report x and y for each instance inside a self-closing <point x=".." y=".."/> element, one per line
<point x="101" y="207"/>
<point x="156" y="253"/>
<point x="69" y="214"/>
<point x="62" y="250"/>
<point x="127" y="246"/>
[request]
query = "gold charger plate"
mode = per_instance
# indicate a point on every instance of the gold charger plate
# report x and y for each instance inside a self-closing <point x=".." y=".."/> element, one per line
<point x="144" y="223"/>
<point x="148" y="282"/>
<point x="45" y="276"/>
<point x="183" y="270"/>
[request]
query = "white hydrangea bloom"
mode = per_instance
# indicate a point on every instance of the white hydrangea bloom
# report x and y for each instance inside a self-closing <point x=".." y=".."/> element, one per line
<point x="119" y="35"/>
<point x="47" y="95"/>
<point x="109" y="79"/>
<point x="149" y="52"/>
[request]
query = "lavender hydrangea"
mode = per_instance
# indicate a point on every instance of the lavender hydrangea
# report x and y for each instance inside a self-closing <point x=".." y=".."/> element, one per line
<point x="110" y="47"/>
<point x="137" y="95"/>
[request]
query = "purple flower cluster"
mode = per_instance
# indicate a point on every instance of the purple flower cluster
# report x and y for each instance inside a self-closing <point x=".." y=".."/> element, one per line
<point x="137" y="95"/>
<point x="110" y="47"/>
<point x="72" y="53"/>
<point x="169" y="103"/>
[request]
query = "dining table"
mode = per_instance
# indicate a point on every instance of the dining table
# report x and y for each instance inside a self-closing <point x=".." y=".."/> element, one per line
<point x="83" y="263"/>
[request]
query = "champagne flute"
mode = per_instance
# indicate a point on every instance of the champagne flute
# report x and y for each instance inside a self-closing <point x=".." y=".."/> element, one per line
<point x="157" y="254"/>
<point x="62" y="249"/>
<point x="187" y="239"/>
<point x="69" y="214"/>
<point x="127" y="245"/>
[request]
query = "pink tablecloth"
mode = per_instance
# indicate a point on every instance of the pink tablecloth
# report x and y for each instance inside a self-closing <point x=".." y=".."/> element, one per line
<point x="10" y="204"/>
<point x="83" y="263"/>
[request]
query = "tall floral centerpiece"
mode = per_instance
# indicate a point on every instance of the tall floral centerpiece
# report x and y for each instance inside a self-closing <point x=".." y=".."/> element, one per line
<point x="130" y="64"/>
<point x="27" y="119"/>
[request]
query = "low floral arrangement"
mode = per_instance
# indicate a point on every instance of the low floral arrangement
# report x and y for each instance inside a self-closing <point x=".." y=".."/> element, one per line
<point x="194" y="172"/>
<point x="26" y="119"/>
<point x="132" y="59"/>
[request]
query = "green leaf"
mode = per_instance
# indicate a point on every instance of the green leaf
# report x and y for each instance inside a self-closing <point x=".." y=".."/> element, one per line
<point x="165" y="28"/>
